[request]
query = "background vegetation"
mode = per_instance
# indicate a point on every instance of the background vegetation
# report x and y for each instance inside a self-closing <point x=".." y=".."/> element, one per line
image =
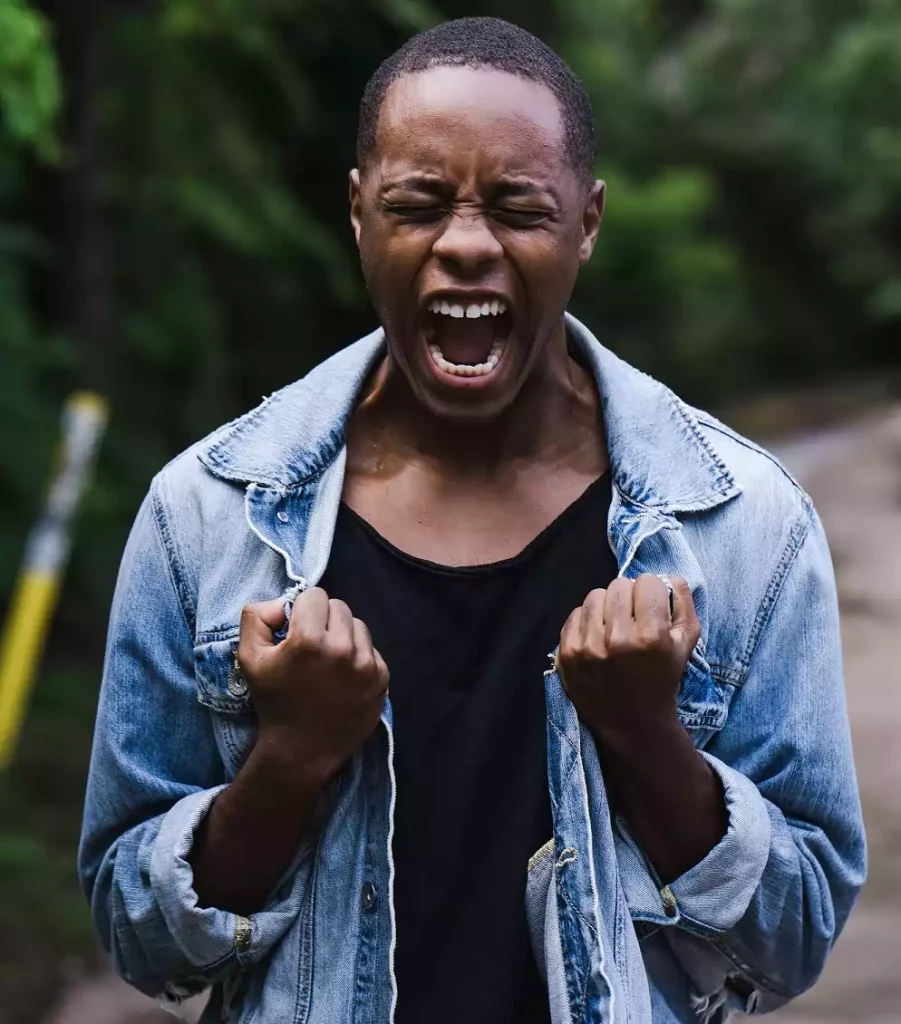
<point x="173" y="233"/>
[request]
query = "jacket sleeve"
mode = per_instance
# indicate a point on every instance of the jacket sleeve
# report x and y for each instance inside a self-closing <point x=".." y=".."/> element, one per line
<point x="765" y="907"/>
<point x="154" y="773"/>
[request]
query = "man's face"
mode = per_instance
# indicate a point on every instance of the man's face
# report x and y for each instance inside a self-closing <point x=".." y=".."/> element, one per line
<point x="472" y="226"/>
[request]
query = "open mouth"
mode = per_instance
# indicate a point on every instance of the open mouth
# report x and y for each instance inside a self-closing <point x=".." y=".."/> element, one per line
<point x="468" y="339"/>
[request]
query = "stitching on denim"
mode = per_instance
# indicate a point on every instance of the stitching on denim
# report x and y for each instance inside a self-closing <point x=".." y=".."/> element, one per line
<point x="715" y="938"/>
<point x="563" y="736"/>
<point x="212" y="636"/>
<point x="564" y="896"/>
<point x="797" y="535"/>
<point x="539" y="855"/>
<point x="305" y="991"/>
<point x="721" y="428"/>
<point x="175" y="572"/>
<point x="692" y="421"/>
<point x="284" y="482"/>
<point x="568" y="856"/>
<point x="760" y="980"/>
<point x="225" y="705"/>
<point x="239" y="426"/>
<point x="726" y="674"/>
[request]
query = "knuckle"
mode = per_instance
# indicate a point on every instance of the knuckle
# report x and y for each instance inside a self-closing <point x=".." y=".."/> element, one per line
<point x="620" y="643"/>
<point x="652" y="638"/>
<point x="575" y="655"/>
<point x="364" y="662"/>
<point x="341" y="649"/>
<point x="301" y="640"/>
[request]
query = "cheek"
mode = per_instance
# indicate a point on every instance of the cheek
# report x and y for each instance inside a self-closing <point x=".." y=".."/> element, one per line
<point x="391" y="261"/>
<point x="548" y="263"/>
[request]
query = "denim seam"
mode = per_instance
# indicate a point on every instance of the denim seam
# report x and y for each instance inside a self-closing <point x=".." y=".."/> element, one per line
<point x="760" y="980"/>
<point x="797" y="535"/>
<point x="593" y="930"/>
<point x="305" y="995"/>
<point x="285" y="482"/>
<point x="692" y="422"/>
<point x="239" y="426"/>
<point x="563" y="736"/>
<point x="176" y="574"/>
<point x="212" y="636"/>
<point x="721" y="428"/>
<point x="716" y="938"/>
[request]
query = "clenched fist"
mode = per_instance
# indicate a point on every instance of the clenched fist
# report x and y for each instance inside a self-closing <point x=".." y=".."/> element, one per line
<point x="622" y="655"/>
<point x="319" y="693"/>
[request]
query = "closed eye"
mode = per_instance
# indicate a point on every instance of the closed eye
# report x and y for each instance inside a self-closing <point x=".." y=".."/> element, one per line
<point x="422" y="212"/>
<point x="520" y="216"/>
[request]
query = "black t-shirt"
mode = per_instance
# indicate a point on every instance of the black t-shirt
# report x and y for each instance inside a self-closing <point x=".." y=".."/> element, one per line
<point x="467" y="649"/>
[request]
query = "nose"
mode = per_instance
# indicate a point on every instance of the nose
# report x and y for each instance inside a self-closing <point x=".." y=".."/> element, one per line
<point x="467" y="243"/>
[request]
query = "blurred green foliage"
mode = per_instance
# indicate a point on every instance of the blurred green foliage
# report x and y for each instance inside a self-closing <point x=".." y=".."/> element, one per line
<point x="173" y="232"/>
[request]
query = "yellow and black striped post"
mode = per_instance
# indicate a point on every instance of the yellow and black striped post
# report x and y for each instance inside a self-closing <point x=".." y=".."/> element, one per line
<point x="46" y="554"/>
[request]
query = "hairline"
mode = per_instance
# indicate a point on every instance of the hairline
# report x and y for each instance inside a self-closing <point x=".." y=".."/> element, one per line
<point x="583" y="178"/>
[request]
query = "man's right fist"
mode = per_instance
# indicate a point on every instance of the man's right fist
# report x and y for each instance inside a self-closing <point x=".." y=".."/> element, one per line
<point x="319" y="694"/>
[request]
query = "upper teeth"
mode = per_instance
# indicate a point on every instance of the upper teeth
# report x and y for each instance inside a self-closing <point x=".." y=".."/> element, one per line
<point x="473" y="310"/>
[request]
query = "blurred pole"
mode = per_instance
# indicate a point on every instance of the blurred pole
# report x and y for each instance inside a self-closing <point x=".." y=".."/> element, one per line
<point x="46" y="554"/>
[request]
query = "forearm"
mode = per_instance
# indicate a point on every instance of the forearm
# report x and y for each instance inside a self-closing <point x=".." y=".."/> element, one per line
<point x="669" y="795"/>
<point x="254" y="830"/>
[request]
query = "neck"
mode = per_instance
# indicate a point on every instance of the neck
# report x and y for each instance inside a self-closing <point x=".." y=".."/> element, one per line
<point x="555" y="418"/>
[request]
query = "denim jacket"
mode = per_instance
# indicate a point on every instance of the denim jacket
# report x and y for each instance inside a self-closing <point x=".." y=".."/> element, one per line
<point x="249" y="514"/>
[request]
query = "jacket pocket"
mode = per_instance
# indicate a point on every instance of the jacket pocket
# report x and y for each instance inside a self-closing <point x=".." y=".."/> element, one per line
<point x="703" y="701"/>
<point x="223" y="690"/>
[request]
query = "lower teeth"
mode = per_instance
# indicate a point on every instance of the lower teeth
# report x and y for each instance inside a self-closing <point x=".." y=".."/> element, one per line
<point x="465" y="369"/>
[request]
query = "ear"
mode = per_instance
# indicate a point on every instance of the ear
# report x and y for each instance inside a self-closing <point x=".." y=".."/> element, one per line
<point x="356" y="201"/>
<point x="592" y="216"/>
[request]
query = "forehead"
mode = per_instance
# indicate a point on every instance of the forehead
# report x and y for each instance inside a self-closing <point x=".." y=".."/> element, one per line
<point x="450" y="117"/>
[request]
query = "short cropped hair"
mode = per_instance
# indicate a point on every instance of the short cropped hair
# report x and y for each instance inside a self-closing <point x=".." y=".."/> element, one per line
<point x="485" y="43"/>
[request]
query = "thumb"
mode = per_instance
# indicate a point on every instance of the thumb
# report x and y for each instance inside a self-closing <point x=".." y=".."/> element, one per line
<point x="686" y="627"/>
<point x="258" y="623"/>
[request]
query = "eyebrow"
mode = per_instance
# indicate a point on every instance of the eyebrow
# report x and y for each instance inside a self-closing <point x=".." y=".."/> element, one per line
<point x="524" y="187"/>
<point x="414" y="183"/>
<point x="506" y="187"/>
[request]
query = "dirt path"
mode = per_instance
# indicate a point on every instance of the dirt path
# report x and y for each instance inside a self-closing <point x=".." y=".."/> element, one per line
<point x="858" y="495"/>
<point x="854" y="477"/>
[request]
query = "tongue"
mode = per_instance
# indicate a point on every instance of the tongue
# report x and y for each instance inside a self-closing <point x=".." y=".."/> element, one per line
<point x="464" y="340"/>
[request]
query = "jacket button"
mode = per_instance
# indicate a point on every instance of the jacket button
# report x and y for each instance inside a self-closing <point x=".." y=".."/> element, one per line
<point x="670" y="906"/>
<point x="369" y="896"/>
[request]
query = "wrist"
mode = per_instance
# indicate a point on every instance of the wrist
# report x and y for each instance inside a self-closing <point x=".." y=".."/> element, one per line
<point x="635" y="736"/>
<point x="279" y="757"/>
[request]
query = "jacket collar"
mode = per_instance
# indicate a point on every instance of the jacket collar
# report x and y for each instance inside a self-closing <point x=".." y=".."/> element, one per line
<point x="659" y="456"/>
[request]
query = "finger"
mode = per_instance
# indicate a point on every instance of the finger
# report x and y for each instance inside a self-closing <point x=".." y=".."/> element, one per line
<point x="309" y="616"/>
<point x="618" y="610"/>
<point x="340" y="628"/>
<point x="686" y="627"/>
<point x="571" y="634"/>
<point x="259" y="621"/>
<point x="382" y="669"/>
<point x="364" y="654"/>
<point x="650" y="605"/>
<point x="594" y="612"/>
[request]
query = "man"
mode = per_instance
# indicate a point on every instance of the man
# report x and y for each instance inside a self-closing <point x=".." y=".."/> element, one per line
<point x="660" y="824"/>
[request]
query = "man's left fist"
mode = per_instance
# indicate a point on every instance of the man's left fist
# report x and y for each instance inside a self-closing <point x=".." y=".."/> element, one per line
<point x="622" y="655"/>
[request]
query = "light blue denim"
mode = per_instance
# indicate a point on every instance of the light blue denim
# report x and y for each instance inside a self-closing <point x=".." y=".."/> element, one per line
<point x="249" y="513"/>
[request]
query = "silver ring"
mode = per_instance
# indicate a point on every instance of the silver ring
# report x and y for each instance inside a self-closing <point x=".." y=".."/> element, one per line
<point x="665" y="580"/>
